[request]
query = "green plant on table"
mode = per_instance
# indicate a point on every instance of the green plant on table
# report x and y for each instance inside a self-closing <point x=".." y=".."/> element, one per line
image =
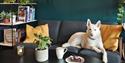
<point x="42" y="41"/>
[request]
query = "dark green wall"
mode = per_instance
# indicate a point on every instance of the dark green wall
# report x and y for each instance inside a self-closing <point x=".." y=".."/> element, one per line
<point x="104" y="10"/>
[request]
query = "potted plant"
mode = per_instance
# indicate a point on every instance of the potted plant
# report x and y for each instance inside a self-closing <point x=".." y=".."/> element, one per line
<point x="5" y="17"/>
<point x="9" y="1"/>
<point x="2" y="14"/>
<point x="41" y="52"/>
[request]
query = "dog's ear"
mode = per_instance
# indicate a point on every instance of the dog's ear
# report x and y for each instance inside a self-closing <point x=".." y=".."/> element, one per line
<point x="88" y="22"/>
<point x="98" y="24"/>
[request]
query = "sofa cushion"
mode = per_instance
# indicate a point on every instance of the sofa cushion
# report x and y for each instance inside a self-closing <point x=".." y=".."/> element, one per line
<point x="113" y="57"/>
<point x="110" y="36"/>
<point x="54" y="27"/>
<point x="30" y="31"/>
<point x="90" y="52"/>
<point x="74" y="50"/>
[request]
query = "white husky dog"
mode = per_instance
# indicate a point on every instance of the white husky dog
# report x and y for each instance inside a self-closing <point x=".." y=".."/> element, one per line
<point x="91" y="39"/>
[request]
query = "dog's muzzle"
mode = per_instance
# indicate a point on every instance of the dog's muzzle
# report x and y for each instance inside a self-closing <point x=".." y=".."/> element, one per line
<point x="91" y="38"/>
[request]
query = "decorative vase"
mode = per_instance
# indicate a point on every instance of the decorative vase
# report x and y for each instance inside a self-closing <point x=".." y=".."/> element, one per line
<point x="41" y="55"/>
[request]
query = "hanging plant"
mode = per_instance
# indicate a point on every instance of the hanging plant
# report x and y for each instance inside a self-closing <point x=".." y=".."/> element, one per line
<point x="120" y="14"/>
<point x="9" y="1"/>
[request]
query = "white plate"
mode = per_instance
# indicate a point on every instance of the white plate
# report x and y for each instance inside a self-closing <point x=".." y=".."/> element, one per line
<point x="68" y="59"/>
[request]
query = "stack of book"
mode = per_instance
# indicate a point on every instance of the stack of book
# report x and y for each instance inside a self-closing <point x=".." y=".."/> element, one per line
<point x="26" y="13"/>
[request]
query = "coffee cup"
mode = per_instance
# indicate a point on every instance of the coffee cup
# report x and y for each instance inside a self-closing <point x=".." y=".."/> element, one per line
<point x="60" y="51"/>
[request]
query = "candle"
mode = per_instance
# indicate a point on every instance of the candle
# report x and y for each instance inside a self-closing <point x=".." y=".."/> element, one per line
<point x="20" y="50"/>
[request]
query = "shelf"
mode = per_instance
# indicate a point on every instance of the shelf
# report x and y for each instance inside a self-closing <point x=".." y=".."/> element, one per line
<point x="17" y="3"/>
<point x="6" y="44"/>
<point x="17" y="23"/>
<point x="29" y="17"/>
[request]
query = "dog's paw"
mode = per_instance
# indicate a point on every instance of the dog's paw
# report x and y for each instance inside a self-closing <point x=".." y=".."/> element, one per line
<point x="65" y="45"/>
<point x="78" y="46"/>
<point x="105" y="60"/>
<point x="98" y="51"/>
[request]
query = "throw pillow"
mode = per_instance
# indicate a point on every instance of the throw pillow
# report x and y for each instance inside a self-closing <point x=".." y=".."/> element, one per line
<point x="30" y="31"/>
<point x="110" y="36"/>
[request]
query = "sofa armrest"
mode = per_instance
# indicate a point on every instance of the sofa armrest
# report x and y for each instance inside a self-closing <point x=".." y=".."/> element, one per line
<point x="121" y="48"/>
<point x="124" y="51"/>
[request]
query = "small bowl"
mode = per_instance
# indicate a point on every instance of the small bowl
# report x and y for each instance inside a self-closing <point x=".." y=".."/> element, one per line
<point x="75" y="59"/>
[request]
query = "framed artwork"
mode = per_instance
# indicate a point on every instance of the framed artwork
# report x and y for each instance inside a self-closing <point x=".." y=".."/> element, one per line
<point x="10" y="36"/>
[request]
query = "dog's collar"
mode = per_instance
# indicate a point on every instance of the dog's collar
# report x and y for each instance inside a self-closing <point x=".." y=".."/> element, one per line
<point x="91" y="38"/>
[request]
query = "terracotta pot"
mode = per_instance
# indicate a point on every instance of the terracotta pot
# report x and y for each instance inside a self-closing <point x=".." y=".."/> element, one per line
<point x="6" y="20"/>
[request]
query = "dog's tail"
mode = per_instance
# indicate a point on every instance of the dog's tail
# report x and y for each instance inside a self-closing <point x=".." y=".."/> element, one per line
<point x="65" y="45"/>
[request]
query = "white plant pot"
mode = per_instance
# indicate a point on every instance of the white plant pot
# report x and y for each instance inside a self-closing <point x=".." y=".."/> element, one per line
<point x="41" y="55"/>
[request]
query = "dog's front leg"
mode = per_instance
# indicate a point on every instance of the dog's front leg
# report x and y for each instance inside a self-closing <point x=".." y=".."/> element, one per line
<point x="96" y="49"/>
<point x="105" y="60"/>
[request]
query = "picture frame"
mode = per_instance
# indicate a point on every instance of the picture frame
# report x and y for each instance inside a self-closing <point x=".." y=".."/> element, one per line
<point x="10" y="36"/>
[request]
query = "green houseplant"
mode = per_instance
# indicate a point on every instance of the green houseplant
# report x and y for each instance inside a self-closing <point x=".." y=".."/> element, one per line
<point x="5" y="17"/>
<point x="120" y="14"/>
<point x="120" y="11"/>
<point x="41" y="51"/>
<point x="42" y="41"/>
<point x="9" y="1"/>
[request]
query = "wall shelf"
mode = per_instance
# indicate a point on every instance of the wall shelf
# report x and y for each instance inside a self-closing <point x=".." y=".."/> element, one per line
<point x="25" y="15"/>
<point x="17" y="3"/>
<point x="6" y="44"/>
<point x="17" y="23"/>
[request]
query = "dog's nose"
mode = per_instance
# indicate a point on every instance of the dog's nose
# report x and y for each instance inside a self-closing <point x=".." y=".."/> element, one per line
<point x="91" y="34"/>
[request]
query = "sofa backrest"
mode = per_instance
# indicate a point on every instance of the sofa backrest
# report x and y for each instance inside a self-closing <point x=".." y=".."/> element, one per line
<point x="67" y="28"/>
<point x="60" y="31"/>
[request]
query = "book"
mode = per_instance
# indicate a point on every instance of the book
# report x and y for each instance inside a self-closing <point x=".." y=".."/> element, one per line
<point x="26" y="13"/>
<point x="32" y="14"/>
<point x="22" y="12"/>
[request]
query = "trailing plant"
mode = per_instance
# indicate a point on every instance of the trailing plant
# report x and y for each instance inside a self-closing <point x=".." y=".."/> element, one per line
<point x="23" y="2"/>
<point x="42" y="42"/>
<point x="120" y="14"/>
<point x="9" y="1"/>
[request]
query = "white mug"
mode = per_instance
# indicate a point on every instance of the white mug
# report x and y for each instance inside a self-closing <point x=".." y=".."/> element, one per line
<point x="60" y="51"/>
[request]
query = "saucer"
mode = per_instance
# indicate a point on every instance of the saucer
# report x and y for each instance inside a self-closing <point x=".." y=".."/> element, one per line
<point x="75" y="59"/>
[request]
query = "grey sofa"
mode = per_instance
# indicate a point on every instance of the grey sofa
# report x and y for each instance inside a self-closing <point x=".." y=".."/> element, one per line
<point x="60" y="32"/>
